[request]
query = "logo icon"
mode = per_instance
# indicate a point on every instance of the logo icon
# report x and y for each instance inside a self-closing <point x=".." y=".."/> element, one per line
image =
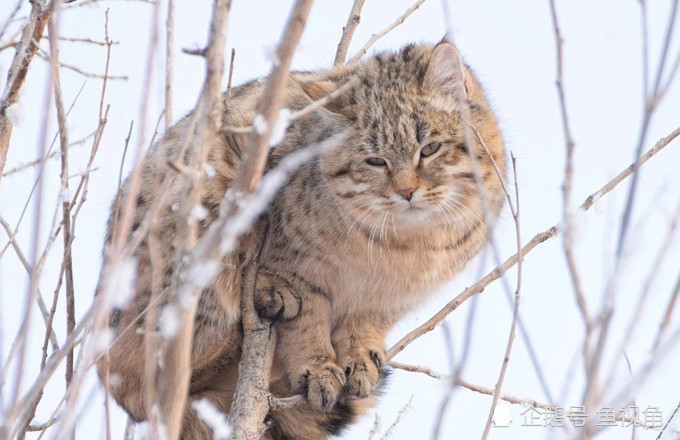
<point x="501" y="415"/>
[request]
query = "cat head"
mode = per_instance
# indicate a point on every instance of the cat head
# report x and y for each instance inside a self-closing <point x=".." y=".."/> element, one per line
<point x="405" y="157"/>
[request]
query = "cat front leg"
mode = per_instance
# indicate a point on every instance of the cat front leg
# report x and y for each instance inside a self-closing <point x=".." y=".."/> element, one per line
<point x="305" y="350"/>
<point x="359" y="342"/>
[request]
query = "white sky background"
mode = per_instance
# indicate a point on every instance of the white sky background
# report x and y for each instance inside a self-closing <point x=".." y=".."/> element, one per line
<point x="511" y="47"/>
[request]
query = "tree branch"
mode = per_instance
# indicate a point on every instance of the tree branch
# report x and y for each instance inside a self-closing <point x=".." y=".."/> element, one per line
<point x="379" y="35"/>
<point x="27" y="47"/>
<point x="347" y="32"/>
<point x="253" y="166"/>
<point x="173" y="382"/>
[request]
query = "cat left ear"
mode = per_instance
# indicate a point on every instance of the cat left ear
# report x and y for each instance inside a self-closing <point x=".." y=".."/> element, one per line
<point x="445" y="74"/>
<point x="316" y="90"/>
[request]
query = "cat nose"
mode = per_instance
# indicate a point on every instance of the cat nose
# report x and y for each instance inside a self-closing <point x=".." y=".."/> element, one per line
<point x="406" y="193"/>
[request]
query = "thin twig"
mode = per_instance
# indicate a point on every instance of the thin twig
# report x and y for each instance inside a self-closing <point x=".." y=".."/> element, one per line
<point x="133" y="182"/>
<point x="379" y="35"/>
<point x="227" y="98"/>
<point x="87" y="41"/>
<point x="52" y="27"/>
<point x="568" y="177"/>
<point x="51" y="155"/>
<point x="647" y="288"/>
<point x="391" y="428"/>
<point x="119" y="192"/>
<point x="672" y="301"/>
<point x="11" y="16"/>
<point x="42" y="426"/>
<point x="309" y="108"/>
<point x="347" y="32"/>
<point x="169" y="60"/>
<point x="668" y="422"/>
<point x="81" y="72"/>
<point x="515" y="312"/>
<point x="472" y="387"/>
<point x="652" y="100"/>
<point x="50" y="367"/>
<point x="278" y="403"/>
<point x="40" y="299"/>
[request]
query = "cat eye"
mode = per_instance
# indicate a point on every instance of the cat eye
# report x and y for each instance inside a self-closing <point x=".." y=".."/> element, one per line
<point x="376" y="161"/>
<point x="430" y="149"/>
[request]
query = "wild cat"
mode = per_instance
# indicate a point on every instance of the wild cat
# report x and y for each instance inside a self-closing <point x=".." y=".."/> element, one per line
<point x="356" y="238"/>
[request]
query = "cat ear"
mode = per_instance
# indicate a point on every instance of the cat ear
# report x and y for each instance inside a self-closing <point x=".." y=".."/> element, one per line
<point x="316" y="90"/>
<point x="445" y="74"/>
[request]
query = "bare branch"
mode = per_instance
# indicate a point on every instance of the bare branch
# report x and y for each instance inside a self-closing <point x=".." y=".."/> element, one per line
<point x="271" y="99"/>
<point x="652" y="99"/>
<point x="79" y="71"/>
<point x="169" y="60"/>
<point x="277" y="403"/>
<point x="41" y="302"/>
<point x="668" y="422"/>
<point x="251" y="402"/>
<point x="13" y="14"/>
<point x="173" y="382"/>
<point x="52" y="155"/>
<point x="672" y="301"/>
<point x="305" y="110"/>
<point x="87" y="41"/>
<point x="515" y="312"/>
<point x="50" y="367"/>
<point x="52" y="27"/>
<point x="394" y="424"/>
<point x="27" y="47"/>
<point x="347" y="32"/>
<point x="472" y="387"/>
<point x="379" y="35"/>
<point x="568" y="177"/>
<point x="227" y="99"/>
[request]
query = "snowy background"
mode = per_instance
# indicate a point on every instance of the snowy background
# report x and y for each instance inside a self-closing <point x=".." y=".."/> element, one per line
<point x="511" y="47"/>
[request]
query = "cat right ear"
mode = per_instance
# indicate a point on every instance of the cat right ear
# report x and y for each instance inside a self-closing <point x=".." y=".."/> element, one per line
<point x="316" y="90"/>
<point x="445" y="73"/>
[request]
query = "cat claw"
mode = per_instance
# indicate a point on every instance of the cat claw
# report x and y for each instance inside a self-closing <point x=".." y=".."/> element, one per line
<point x="322" y="386"/>
<point x="364" y="373"/>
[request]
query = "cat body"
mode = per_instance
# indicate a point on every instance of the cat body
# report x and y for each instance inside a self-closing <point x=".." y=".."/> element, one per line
<point x="355" y="239"/>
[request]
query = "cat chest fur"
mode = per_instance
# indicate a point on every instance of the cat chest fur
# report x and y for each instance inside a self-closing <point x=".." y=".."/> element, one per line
<point x="359" y="271"/>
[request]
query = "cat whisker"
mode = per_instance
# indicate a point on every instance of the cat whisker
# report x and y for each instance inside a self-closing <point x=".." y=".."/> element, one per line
<point x="463" y="214"/>
<point x="371" y="237"/>
<point x="383" y="231"/>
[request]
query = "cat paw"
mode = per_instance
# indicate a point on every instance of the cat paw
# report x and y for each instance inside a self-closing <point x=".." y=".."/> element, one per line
<point x="322" y="384"/>
<point x="363" y="371"/>
<point x="274" y="300"/>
